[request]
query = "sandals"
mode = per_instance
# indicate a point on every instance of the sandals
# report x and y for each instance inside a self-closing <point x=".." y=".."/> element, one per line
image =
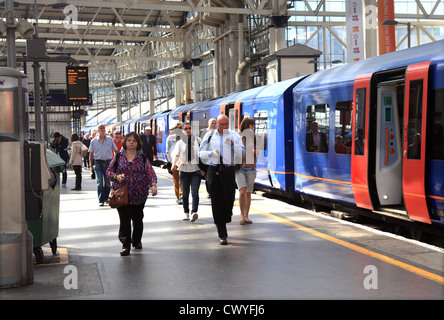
<point x="243" y="221"/>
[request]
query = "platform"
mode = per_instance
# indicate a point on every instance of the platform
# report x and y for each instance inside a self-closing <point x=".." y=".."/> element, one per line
<point x="287" y="253"/>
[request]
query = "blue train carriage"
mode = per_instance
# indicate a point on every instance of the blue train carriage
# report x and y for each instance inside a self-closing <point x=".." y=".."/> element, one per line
<point x="197" y="113"/>
<point x="143" y="122"/>
<point x="389" y="112"/>
<point x="160" y="127"/>
<point x="271" y="107"/>
<point x="128" y="126"/>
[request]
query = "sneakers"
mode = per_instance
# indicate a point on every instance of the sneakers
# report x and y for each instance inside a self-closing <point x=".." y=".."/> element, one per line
<point x="194" y="217"/>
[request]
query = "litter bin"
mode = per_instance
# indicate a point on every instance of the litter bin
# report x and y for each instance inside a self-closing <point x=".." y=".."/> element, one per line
<point x="46" y="228"/>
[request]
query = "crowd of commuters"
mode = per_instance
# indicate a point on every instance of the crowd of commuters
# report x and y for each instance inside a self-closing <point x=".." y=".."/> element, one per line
<point x="225" y="159"/>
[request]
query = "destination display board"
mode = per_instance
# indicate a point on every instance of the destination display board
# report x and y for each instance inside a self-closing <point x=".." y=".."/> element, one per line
<point x="77" y="86"/>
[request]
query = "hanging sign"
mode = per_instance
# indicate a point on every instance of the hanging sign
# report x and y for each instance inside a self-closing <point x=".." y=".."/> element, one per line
<point x="354" y="16"/>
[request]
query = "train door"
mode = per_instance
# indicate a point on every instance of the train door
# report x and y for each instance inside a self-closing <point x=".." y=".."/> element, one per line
<point x="414" y="153"/>
<point x="360" y="136"/>
<point x="234" y="113"/>
<point x="388" y="152"/>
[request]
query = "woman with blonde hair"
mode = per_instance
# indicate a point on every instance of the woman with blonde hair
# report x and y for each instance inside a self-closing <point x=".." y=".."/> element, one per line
<point x="246" y="174"/>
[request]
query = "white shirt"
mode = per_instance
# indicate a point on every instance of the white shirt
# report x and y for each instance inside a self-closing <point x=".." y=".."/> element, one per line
<point x="180" y="158"/>
<point x="230" y="155"/>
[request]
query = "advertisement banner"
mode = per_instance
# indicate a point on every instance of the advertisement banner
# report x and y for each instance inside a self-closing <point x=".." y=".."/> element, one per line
<point x="387" y="40"/>
<point x="354" y="17"/>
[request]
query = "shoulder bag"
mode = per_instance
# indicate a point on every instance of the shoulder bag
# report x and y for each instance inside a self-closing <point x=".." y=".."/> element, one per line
<point x="119" y="197"/>
<point x="83" y="150"/>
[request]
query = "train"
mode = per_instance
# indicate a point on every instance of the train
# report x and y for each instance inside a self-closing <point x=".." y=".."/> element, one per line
<point x="361" y="137"/>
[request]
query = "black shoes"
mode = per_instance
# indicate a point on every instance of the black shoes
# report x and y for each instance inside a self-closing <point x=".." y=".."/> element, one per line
<point x="223" y="241"/>
<point x="125" y="252"/>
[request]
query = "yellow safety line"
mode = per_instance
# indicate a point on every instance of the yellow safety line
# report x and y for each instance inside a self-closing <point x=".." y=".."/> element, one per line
<point x="405" y="266"/>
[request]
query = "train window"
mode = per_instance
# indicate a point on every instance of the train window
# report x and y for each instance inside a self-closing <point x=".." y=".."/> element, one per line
<point x="318" y="126"/>
<point x="360" y="121"/>
<point x="261" y="129"/>
<point x="415" y="119"/>
<point x="343" y="126"/>
<point x="437" y="140"/>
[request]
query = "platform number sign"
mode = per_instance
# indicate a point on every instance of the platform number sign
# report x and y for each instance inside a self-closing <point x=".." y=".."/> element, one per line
<point x="77" y="84"/>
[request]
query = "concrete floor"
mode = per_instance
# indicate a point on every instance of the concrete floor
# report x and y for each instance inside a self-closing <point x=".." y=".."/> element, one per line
<point x="287" y="253"/>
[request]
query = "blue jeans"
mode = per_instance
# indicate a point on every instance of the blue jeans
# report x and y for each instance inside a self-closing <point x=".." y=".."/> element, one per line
<point x="102" y="182"/>
<point x="187" y="180"/>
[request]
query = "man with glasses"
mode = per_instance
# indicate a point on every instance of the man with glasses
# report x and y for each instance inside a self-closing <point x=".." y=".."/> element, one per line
<point x="100" y="154"/>
<point x="222" y="149"/>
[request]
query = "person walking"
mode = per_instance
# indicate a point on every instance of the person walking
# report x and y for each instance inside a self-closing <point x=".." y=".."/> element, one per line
<point x="186" y="160"/>
<point x="211" y="127"/>
<point x="149" y="147"/>
<point x="60" y="146"/>
<point x="222" y="151"/>
<point x="86" y="141"/>
<point x="246" y="174"/>
<point x="76" y="159"/>
<point x="173" y="137"/>
<point x="143" y="178"/>
<point x="117" y="140"/>
<point x="100" y="154"/>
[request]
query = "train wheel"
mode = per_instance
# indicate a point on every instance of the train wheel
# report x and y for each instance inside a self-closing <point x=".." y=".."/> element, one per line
<point x="416" y="234"/>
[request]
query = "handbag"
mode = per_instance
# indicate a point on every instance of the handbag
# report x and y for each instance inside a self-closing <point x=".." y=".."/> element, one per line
<point x="119" y="197"/>
<point x="83" y="150"/>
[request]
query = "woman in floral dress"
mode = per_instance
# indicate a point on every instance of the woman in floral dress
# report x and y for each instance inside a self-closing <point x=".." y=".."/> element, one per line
<point x="143" y="178"/>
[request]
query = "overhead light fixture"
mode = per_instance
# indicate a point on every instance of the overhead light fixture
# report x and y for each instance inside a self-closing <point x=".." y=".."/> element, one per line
<point x="25" y="29"/>
<point x="389" y="22"/>
<point x="59" y="5"/>
<point x="2" y="27"/>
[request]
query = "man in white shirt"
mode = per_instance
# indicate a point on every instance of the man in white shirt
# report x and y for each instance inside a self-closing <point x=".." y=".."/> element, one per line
<point x="222" y="149"/>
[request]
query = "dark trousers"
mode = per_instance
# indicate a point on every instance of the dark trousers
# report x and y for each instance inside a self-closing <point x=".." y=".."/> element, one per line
<point x="222" y="185"/>
<point x="78" y="172"/>
<point x="127" y="214"/>
<point x="65" y="175"/>
<point x="190" y="180"/>
<point x="222" y="230"/>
